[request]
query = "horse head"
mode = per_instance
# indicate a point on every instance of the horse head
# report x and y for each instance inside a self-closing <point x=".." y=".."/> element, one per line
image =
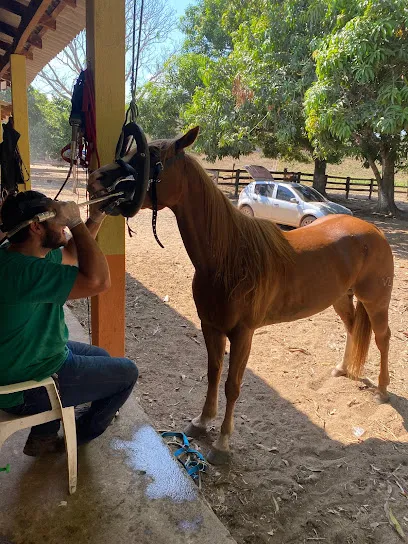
<point x="147" y="174"/>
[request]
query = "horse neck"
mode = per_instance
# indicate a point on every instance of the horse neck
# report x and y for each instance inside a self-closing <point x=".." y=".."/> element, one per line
<point x="199" y="205"/>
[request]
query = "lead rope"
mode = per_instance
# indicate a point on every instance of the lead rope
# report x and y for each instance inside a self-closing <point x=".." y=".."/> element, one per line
<point x="158" y="167"/>
<point x="154" y="216"/>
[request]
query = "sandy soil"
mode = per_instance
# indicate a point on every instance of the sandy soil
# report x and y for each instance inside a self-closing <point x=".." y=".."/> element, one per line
<point x="315" y="458"/>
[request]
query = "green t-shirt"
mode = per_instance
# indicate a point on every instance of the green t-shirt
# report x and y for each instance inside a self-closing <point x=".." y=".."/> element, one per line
<point x="33" y="334"/>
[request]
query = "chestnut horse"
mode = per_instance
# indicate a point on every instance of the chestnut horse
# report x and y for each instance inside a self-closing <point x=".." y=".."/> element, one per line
<point x="248" y="274"/>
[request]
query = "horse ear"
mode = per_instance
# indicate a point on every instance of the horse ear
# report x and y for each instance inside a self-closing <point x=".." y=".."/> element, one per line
<point x="188" y="139"/>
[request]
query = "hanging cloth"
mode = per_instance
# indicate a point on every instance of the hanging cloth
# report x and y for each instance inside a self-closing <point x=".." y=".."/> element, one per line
<point x="10" y="160"/>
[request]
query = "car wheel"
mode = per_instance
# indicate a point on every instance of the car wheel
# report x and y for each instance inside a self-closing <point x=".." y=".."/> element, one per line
<point x="247" y="210"/>
<point x="307" y="220"/>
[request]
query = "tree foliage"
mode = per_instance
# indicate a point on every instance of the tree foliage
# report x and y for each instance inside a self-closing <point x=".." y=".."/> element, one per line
<point x="162" y="101"/>
<point x="253" y="91"/>
<point x="49" y="124"/>
<point x="360" y="98"/>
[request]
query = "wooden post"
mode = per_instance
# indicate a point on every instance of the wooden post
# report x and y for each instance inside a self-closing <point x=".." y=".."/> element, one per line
<point x="347" y="186"/>
<point x="285" y="173"/>
<point x="20" y="112"/>
<point x="105" y="28"/>
<point x="299" y="177"/>
<point x="237" y="176"/>
<point x="371" y="188"/>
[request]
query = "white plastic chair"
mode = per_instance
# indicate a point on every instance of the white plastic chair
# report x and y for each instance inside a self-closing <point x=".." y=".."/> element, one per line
<point x="10" y="424"/>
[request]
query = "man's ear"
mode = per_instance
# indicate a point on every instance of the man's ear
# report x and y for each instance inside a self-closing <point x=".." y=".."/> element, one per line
<point x="36" y="228"/>
<point x="188" y="139"/>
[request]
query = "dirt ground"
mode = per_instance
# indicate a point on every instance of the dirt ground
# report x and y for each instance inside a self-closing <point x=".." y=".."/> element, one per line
<point x="315" y="458"/>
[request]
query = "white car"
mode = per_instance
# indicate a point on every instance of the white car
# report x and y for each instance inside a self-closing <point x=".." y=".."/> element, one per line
<point x="286" y="203"/>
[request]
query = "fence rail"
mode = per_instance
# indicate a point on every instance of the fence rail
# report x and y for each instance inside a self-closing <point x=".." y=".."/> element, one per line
<point x="240" y="178"/>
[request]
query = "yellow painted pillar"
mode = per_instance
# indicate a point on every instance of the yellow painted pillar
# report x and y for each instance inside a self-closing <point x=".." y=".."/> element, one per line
<point x="105" y="29"/>
<point x="20" y="112"/>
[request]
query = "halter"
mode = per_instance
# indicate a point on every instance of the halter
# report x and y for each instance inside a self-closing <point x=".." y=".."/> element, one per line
<point x="158" y="167"/>
<point x="145" y="167"/>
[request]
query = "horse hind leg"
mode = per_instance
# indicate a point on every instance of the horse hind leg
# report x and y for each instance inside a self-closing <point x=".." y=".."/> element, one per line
<point x="382" y="334"/>
<point x="359" y="322"/>
<point x="215" y="343"/>
<point x="344" y="308"/>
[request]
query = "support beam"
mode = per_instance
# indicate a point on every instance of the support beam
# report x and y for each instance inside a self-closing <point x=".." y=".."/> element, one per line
<point x="48" y="22"/>
<point x="35" y="40"/>
<point x="28" y="54"/>
<point x="70" y="3"/>
<point x="106" y="59"/>
<point x="20" y="112"/>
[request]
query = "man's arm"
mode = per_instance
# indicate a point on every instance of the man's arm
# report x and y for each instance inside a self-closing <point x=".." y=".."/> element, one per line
<point x="93" y="275"/>
<point x="93" y="270"/>
<point x="93" y="224"/>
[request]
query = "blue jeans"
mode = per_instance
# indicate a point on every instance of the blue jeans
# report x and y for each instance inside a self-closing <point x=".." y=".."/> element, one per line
<point x="89" y="374"/>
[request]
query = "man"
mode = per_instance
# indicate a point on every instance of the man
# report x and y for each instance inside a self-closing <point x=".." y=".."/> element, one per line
<point x="39" y="271"/>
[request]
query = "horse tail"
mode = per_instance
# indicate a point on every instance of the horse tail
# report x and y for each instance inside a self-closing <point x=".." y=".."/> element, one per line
<point x="361" y="335"/>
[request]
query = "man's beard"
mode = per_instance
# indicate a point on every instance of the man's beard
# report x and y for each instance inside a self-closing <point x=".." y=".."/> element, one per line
<point x="53" y="240"/>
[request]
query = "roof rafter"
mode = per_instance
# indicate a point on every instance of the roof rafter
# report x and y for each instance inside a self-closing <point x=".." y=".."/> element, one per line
<point x="31" y="18"/>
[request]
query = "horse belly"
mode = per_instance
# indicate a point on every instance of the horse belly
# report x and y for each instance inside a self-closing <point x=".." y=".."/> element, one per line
<point x="319" y="277"/>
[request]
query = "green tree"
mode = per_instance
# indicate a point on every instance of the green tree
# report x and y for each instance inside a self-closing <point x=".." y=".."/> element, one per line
<point x="254" y="87"/>
<point x="206" y="28"/>
<point x="48" y="123"/>
<point x="161" y="102"/>
<point x="360" y="97"/>
<point x="49" y="128"/>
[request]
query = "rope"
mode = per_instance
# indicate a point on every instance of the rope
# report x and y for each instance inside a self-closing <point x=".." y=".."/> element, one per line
<point x="65" y="181"/>
<point x="132" y="111"/>
<point x="138" y="47"/>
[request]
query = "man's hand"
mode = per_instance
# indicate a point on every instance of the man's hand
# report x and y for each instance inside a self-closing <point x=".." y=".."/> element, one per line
<point x="67" y="214"/>
<point x="95" y="213"/>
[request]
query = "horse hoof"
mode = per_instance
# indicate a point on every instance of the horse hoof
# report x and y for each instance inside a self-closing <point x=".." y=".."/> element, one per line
<point x="219" y="457"/>
<point x="194" y="432"/>
<point x="336" y="372"/>
<point x="381" y="397"/>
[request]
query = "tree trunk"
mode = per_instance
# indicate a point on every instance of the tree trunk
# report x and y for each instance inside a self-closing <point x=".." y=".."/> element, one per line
<point x="319" y="176"/>
<point x="386" y="203"/>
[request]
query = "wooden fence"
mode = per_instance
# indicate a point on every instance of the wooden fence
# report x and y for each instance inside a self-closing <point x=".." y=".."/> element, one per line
<point x="240" y="178"/>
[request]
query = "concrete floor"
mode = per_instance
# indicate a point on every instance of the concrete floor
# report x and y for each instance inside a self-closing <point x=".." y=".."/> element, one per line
<point x="130" y="490"/>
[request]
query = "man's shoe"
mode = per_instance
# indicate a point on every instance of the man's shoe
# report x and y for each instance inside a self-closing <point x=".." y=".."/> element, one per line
<point x="39" y="445"/>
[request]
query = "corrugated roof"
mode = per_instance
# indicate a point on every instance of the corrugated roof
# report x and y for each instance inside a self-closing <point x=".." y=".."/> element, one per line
<point x="26" y="27"/>
<point x="69" y="23"/>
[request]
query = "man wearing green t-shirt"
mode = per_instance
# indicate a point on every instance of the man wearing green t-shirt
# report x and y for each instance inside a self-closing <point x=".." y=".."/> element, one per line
<point x="39" y="271"/>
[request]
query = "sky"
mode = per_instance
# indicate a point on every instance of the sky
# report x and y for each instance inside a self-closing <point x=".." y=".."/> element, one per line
<point x="179" y="7"/>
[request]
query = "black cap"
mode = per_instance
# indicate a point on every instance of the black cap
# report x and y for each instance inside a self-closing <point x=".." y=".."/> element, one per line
<point x="21" y="207"/>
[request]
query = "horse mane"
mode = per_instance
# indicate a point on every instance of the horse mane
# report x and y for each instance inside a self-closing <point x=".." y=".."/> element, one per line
<point x="247" y="251"/>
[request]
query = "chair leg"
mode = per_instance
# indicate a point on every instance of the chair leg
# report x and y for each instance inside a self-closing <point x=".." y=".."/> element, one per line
<point x="68" y="421"/>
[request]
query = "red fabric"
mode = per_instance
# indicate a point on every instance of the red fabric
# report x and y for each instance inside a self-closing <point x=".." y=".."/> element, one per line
<point x="88" y="108"/>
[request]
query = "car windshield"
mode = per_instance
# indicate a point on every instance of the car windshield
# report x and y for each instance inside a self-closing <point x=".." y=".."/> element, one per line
<point x="308" y="194"/>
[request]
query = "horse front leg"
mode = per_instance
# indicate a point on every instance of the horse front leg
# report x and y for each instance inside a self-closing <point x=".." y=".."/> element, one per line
<point x="241" y="341"/>
<point x="215" y="343"/>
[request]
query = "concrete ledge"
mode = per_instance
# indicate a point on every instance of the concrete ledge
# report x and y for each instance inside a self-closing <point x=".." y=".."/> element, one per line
<point x="130" y="490"/>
